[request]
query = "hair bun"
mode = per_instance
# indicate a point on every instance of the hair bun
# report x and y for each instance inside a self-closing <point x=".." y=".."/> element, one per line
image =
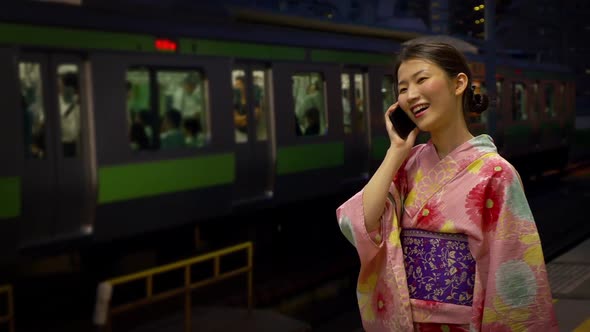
<point x="479" y="103"/>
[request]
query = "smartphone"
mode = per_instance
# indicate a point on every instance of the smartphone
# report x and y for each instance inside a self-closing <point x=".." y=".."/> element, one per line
<point x="402" y="123"/>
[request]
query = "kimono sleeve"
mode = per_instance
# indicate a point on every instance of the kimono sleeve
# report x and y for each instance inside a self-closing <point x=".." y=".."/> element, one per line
<point x="352" y="223"/>
<point x="517" y="293"/>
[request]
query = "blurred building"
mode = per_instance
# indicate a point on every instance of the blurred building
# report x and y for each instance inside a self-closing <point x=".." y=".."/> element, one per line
<point x="538" y="30"/>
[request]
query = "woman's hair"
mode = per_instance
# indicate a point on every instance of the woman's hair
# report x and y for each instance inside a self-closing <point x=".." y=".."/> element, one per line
<point x="452" y="62"/>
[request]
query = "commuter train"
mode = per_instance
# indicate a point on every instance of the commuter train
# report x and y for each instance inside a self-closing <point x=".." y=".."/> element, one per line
<point x="118" y="122"/>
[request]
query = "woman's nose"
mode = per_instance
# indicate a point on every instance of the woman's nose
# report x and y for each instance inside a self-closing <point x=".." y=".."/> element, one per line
<point x="412" y="94"/>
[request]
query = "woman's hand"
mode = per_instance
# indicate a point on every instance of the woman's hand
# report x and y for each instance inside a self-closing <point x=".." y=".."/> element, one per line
<point x="396" y="141"/>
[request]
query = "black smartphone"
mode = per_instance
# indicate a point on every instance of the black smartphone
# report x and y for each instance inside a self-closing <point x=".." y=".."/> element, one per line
<point x="401" y="122"/>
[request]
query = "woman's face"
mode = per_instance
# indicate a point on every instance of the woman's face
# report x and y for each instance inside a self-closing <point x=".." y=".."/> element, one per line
<point x="426" y="94"/>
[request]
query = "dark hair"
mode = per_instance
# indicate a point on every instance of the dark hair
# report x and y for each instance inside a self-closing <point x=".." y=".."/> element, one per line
<point x="70" y="79"/>
<point x="174" y="116"/>
<point x="452" y="62"/>
<point x="138" y="136"/>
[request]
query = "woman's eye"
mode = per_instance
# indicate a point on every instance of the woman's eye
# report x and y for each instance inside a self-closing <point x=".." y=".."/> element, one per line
<point x="421" y="79"/>
<point x="402" y="90"/>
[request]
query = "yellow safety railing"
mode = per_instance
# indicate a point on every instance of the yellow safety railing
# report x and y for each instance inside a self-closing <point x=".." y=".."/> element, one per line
<point x="9" y="317"/>
<point x="189" y="285"/>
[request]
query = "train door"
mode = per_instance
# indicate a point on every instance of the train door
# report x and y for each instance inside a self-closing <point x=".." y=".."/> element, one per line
<point x="253" y="141"/>
<point x="56" y="185"/>
<point x="356" y="123"/>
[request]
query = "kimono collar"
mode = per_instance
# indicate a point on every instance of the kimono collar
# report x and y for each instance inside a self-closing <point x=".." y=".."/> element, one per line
<point x="482" y="144"/>
<point x="432" y="174"/>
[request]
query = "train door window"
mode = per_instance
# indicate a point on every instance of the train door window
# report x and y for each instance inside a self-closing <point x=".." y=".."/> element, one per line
<point x="240" y="105"/>
<point x="68" y="90"/>
<point x="346" y="102"/>
<point x="242" y="82"/>
<point x="387" y="92"/>
<point x="359" y="101"/>
<point x="309" y="101"/>
<point x="139" y="114"/>
<point x="519" y="101"/>
<point x="536" y="97"/>
<point x="549" y="100"/>
<point x="563" y="96"/>
<point x="260" y="104"/>
<point x="33" y="110"/>
<point x="182" y="109"/>
<point x="499" y="99"/>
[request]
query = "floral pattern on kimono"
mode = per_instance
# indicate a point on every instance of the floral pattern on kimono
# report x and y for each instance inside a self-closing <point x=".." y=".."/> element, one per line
<point x="474" y="193"/>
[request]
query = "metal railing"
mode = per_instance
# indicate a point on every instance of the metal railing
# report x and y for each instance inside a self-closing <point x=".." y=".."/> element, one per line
<point x="9" y="316"/>
<point x="104" y="315"/>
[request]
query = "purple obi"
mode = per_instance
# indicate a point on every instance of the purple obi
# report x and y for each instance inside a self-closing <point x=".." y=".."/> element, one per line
<point x="439" y="266"/>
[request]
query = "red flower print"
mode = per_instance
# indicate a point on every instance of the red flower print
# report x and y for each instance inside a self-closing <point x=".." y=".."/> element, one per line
<point x="497" y="169"/>
<point x="382" y="301"/>
<point x="483" y="204"/>
<point x="430" y="217"/>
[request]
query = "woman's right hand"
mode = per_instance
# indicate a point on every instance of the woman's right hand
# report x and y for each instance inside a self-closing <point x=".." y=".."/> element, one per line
<point x="396" y="141"/>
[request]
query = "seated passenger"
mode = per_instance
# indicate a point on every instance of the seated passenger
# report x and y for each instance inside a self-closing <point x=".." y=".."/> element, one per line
<point x="192" y="135"/>
<point x="138" y="137"/>
<point x="312" y="122"/>
<point x="171" y="136"/>
<point x="144" y="117"/>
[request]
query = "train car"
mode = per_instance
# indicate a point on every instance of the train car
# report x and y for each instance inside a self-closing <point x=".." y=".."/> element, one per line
<point x="118" y="122"/>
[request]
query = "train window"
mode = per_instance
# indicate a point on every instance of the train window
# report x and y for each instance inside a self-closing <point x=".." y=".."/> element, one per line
<point x="359" y="101"/>
<point x="33" y="110"/>
<point x="549" y="100"/>
<point x="69" y="108"/>
<point x="519" y="101"/>
<point x="139" y="115"/>
<point x="387" y="92"/>
<point x="182" y="108"/>
<point x="310" y="110"/>
<point x="346" y="97"/>
<point x="480" y="88"/>
<point x="261" y="105"/>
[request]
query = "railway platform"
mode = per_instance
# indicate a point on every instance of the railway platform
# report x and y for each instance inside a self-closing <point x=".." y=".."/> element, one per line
<point x="569" y="276"/>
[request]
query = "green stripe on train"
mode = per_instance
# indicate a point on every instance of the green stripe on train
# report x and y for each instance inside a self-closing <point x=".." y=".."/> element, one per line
<point x="69" y="38"/>
<point x="9" y="197"/>
<point x="241" y="50"/>
<point x="123" y="182"/>
<point x="350" y="57"/>
<point x="299" y="158"/>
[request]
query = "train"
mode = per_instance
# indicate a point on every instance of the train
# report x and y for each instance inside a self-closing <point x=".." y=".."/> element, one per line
<point x="118" y="122"/>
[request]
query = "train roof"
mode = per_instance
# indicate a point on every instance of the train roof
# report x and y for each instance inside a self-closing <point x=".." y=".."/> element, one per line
<point x="200" y="19"/>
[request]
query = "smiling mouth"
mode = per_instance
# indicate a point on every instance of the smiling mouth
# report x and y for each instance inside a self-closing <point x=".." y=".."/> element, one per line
<point x="419" y="110"/>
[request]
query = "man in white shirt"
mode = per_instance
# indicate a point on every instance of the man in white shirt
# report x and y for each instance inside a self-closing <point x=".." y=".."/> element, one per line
<point x="69" y="105"/>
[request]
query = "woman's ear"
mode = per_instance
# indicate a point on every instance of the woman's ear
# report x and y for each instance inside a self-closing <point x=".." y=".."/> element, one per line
<point x="461" y="82"/>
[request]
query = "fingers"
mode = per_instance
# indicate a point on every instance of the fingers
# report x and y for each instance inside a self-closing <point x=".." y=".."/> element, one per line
<point x="391" y="109"/>
<point x="413" y="134"/>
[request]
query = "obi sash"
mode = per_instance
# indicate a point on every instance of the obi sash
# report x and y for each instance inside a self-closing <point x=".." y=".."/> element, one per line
<point x="439" y="266"/>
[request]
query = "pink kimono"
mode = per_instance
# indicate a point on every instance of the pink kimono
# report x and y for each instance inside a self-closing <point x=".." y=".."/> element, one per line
<point x="457" y="250"/>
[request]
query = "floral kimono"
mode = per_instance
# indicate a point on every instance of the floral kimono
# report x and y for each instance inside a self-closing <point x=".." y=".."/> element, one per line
<point x="457" y="250"/>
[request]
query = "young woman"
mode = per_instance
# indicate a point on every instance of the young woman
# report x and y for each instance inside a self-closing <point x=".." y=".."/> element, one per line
<point x="444" y="232"/>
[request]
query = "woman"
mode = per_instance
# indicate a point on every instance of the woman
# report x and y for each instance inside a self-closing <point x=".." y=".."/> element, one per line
<point x="445" y="236"/>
